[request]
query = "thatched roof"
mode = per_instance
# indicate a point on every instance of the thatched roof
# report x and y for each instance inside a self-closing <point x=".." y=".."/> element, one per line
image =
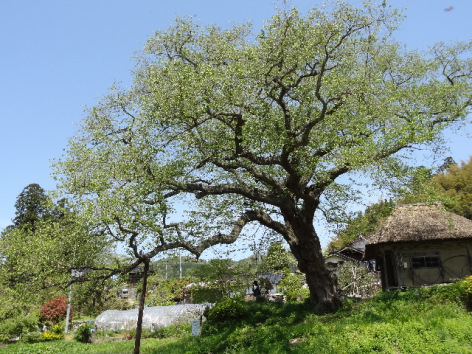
<point x="418" y="223"/>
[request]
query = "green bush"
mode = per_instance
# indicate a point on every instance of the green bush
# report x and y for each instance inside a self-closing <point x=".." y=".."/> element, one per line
<point x="83" y="333"/>
<point x="228" y="309"/>
<point x="17" y="325"/>
<point x="292" y="286"/>
<point x="4" y="338"/>
<point x="115" y="303"/>
<point x="33" y="337"/>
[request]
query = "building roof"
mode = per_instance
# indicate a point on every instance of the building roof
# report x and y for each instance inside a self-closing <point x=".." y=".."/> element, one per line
<point x="419" y="223"/>
<point x="342" y="256"/>
<point x="274" y="278"/>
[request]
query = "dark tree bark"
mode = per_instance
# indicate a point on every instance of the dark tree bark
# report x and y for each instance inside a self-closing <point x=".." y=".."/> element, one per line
<point x="305" y="246"/>
<point x="139" y="325"/>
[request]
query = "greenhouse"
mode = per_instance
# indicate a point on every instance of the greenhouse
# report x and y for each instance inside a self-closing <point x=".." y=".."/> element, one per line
<point x="153" y="317"/>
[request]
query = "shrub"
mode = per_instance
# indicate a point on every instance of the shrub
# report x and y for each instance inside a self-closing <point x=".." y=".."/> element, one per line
<point x="292" y="286"/>
<point x="33" y="337"/>
<point x="56" y="333"/>
<point x="19" y="324"/>
<point x="115" y="303"/>
<point x="83" y="333"/>
<point x="228" y="309"/>
<point x="55" y="310"/>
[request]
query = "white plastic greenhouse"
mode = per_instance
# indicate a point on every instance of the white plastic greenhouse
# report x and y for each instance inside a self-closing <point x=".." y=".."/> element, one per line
<point x="153" y="317"/>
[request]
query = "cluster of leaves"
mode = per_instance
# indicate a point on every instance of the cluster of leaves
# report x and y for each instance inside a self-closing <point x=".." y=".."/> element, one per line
<point x="362" y="224"/>
<point x="457" y="184"/>
<point x="19" y="324"/>
<point x="163" y="292"/>
<point x="219" y="279"/>
<point x="292" y="285"/>
<point x="83" y="333"/>
<point x="278" y="258"/>
<point x="228" y="310"/>
<point x="55" y="310"/>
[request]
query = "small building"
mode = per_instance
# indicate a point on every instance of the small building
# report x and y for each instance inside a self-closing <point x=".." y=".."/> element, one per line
<point x="352" y="252"/>
<point x="421" y="245"/>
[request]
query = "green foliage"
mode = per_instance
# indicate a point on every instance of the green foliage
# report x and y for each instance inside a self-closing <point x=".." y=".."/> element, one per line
<point x="363" y="224"/>
<point x="291" y="284"/>
<point x="456" y="181"/>
<point x="173" y="266"/>
<point x="278" y="258"/>
<point x="32" y="206"/>
<point x="176" y="330"/>
<point x="227" y="310"/>
<point x="83" y="333"/>
<point x="33" y="337"/>
<point x="430" y="320"/>
<point x="163" y="292"/>
<point x="19" y="324"/>
<point x="219" y="279"/>
<point x="114" y="303"/>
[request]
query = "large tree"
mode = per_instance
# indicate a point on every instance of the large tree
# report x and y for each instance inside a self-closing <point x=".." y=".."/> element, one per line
<point x="237" y="128"/>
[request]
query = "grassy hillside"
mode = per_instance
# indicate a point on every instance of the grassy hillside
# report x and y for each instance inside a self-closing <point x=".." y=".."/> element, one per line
<point x="431" y="320"/>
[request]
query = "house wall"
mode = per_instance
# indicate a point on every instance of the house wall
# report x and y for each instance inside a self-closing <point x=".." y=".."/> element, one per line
<point x="454" y="263"/>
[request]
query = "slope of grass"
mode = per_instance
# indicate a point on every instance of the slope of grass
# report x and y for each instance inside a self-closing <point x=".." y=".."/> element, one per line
<point x="417" y="321"/>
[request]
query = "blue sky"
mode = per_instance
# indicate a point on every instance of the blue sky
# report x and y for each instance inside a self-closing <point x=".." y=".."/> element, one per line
<point x="59" y="56"/>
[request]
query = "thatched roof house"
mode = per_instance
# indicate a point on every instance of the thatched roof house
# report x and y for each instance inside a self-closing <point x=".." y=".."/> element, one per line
<point x="421" y="245"/>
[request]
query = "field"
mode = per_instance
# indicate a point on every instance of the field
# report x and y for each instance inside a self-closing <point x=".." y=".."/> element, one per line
<point x="432" y="320"/>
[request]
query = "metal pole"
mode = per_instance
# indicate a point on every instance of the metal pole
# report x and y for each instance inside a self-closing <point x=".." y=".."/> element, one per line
<point x="180" y="257"/>
<point x="68" y="309"/>
<point x="166" y="270"/>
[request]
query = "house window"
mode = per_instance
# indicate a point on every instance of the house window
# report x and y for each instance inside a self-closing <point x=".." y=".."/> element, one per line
<point x="425" y="262"/>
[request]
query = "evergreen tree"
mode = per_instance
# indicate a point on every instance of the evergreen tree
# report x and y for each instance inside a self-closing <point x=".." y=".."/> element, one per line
<point x="31" y="207"/>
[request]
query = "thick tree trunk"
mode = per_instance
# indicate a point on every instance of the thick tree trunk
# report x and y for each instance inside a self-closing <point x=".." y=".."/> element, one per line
<point x="305" y="246"/>
<point x="139" y="325"/>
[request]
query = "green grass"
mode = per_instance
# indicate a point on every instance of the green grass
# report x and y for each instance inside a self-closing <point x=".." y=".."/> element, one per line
<point x="417" y="321"/>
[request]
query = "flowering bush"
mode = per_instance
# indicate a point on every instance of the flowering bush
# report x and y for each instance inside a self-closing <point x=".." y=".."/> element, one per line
<point x="55" y="310"/>
<point x="56" y="333"/>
